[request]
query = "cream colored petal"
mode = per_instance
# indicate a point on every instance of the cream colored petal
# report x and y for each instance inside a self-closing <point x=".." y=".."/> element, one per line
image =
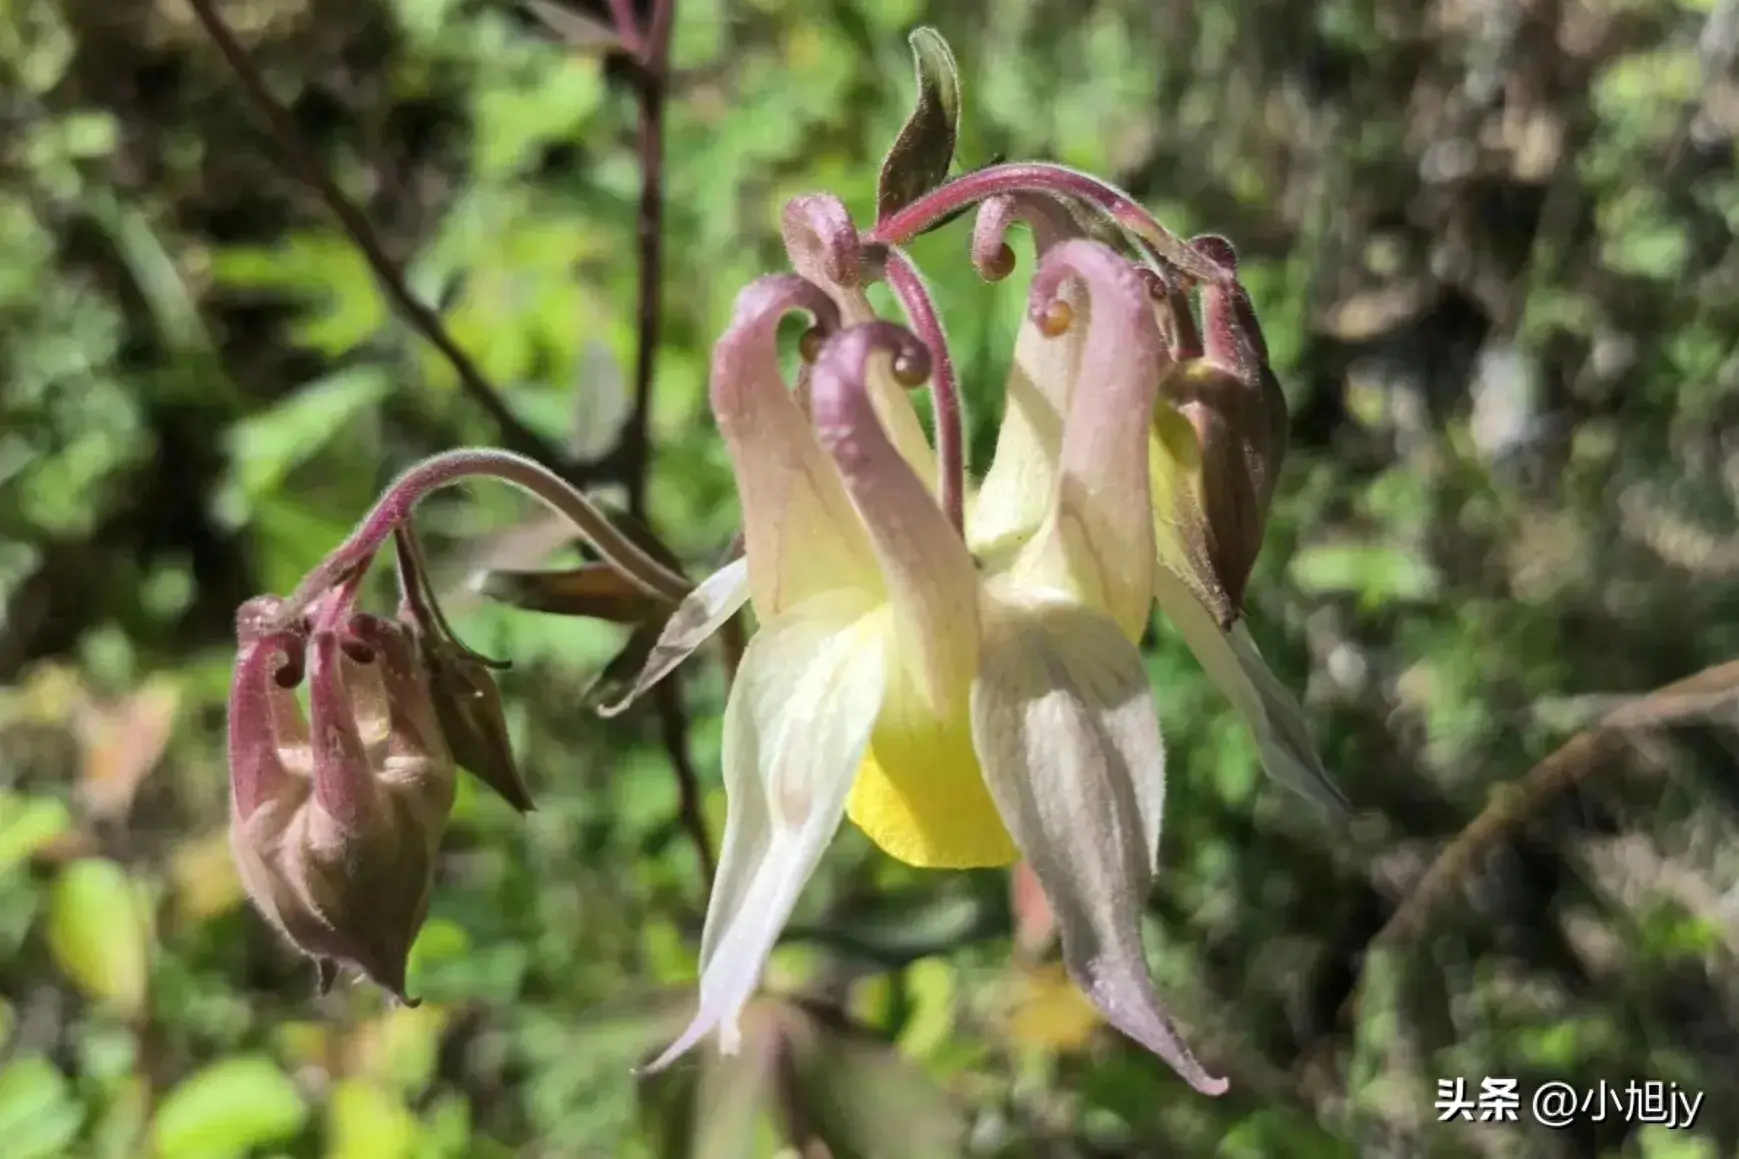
<point x="931" y="584"/>
<point x="821" y="242"/>
<point x="1021" y="485"/>
<point x="1067" y="734"/>
<point x="1272" y="714"/>
<point x="796" y="728"/>
<point x="704" y="611"/>
<point x="801" y="534"/>
<point x="1097" y="544"/>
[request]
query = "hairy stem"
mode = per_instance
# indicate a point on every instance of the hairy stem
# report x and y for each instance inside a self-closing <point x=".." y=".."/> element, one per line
<point x="1056" y="181"/>
<point x="920" y="311"/>
<point x="449" y="467"/>
<point x="514" y="433"/>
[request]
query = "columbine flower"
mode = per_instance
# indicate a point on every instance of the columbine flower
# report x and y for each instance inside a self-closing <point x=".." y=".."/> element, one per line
<point x="960" y="711"/>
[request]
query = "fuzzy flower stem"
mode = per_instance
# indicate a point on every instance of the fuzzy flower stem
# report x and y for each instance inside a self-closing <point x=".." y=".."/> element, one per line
<point x="450" y="467"/>
<point x="1057" y="181"/>
<point x="906" y="282"/>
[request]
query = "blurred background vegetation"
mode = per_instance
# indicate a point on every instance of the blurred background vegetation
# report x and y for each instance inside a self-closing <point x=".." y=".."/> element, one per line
<point x="1492" y="244"/>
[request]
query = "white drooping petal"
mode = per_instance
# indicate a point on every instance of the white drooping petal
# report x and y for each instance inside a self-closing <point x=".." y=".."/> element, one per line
<point x="1070" y="745"/>
<point x="702" y="612"/>
<point x="1271" y="712"/>
<point x="796" y="728"/>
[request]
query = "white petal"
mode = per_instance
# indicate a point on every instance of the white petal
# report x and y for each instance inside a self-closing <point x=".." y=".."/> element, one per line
<point x="796" y="728"/>
<point x="702" y="612"/>
<point x="1070" y="745"/>
<point x="1271" y="712"/>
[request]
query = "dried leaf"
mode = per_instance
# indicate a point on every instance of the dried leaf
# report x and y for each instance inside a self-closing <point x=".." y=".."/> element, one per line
<point x="206" y="885"/>
<point x="122" y="744"/>
<point x="919" y="159"/>
<point x="576" y="29"/>
<point x="1049" y="1012"/>
<point x="1035" y="923"/>
<point x="734" y="1093"/>
<point x="594" y="590"/>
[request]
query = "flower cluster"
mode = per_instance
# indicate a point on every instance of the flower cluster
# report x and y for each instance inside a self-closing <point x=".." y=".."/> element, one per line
<point x="951" y="665"/>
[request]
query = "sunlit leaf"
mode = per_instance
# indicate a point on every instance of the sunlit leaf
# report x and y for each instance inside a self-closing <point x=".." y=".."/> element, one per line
<point x="203" y="879"/>
<point x="228" y="1108"/>
<point x="99" y="933"/>
<point x="28" y="825"/>
<point x="1379" y="574"/>
<point x="39" y="1115"/>
<point x="364" y="1121"/>
<point x="266" y="447"/>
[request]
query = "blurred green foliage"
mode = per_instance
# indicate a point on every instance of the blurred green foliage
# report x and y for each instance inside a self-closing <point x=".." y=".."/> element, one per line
<point x="1492" y="246"/>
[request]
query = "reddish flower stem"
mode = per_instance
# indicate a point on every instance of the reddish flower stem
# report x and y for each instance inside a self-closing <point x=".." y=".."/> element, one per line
<point x="906" y="282"/>
<point x="1054" y="180"/>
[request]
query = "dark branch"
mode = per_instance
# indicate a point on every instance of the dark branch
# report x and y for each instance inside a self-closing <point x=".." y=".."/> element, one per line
<point x="515" y="435"/>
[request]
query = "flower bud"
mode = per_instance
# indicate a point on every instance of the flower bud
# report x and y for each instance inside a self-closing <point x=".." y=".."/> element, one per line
<point x="335" y="820"/>
<point x="466" y="701"/>
<point x="1221" y="442"/>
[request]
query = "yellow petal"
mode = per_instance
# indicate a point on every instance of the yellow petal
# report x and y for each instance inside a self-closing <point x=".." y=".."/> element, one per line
<point x="920" y="794"/>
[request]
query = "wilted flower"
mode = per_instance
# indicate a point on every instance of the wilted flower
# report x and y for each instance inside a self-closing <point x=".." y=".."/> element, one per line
<point x="335" y="819"/>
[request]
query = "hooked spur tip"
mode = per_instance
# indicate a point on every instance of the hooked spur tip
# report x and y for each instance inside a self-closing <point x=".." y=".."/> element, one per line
<point x="1217" y="249"/>
<point x="1054" y="318"/>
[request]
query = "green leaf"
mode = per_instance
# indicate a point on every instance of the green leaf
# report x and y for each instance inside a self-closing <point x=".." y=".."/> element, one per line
<point x="365" y="1122"/>
<point x="227" y="1109"/>
<point x="921" y="154"/>
<point x="27" y="824"/>
<point x="1380" y="574"/>
<point x="39" y="1117"/>
<point x="264" y="448"/>
<point x="867" y="1102"/>
<point x="99" y="933"/>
